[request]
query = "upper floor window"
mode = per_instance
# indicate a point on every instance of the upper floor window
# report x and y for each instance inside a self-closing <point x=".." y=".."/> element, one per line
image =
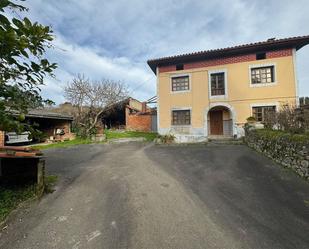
<point x="261" y="56"/>
<point x="217" y="84"/>
<point x="180" y="83"/>
<point x="181" y="117"/>
<point x="179" y="67"/>
<point x="262" y="75"/>
<point x="262" y="113"/>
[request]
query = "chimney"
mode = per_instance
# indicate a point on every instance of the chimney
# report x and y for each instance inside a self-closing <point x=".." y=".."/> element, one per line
<point x="144" y="107"/>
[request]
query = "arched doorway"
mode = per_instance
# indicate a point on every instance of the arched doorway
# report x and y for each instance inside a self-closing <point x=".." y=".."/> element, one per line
<point x="220" y="121"/>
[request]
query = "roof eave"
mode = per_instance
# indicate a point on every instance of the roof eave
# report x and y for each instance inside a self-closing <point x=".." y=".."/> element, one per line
<point x="29" y="115"/>
<point x="296" y="43"/>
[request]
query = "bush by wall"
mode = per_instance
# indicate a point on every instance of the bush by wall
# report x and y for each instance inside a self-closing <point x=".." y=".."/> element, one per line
<point x="290" y="150"/>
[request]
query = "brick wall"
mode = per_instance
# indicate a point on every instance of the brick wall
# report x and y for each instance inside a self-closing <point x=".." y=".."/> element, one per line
<point x="279" y="53"/>
<point x="63" y="124"/>
<point x="138" y="122"/>
<point x="1" y="138"/>
<point x="167" y="68"/>
<point x="60" y="124"/>
<point x="227" y="60"/>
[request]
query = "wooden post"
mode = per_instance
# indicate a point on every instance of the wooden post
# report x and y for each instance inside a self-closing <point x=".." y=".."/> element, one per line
<point x="2" y="137"/>
<point x="40" y="177"/>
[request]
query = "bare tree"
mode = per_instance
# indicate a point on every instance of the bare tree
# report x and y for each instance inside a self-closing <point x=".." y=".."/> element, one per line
<point x="92" y="98"/>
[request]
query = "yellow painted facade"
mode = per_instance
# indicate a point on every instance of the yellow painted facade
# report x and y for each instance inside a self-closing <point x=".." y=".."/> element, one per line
<point x="241" y="95"/>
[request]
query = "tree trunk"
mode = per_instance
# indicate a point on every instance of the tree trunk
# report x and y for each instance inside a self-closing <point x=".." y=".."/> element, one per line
<point x="94" y="122"/>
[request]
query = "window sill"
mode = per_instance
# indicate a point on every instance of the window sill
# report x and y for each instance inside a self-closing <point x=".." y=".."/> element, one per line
<point x="218" y="96"/>
<point x="179" y="126"/>
<point x="185" y="91"/>
<point x="263" y="84"/>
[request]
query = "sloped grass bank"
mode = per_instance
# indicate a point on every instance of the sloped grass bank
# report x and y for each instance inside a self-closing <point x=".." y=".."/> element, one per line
<point x="64" y="144"/>
<point x="12" y="196"/>
<point x="110" y="134"/>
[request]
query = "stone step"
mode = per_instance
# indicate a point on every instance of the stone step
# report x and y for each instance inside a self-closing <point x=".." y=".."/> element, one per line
<point x="127" y="140"/>
<point x="225" y="141"/>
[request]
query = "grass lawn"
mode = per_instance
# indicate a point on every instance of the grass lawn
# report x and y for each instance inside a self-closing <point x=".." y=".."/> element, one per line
<point x="63" y="144"/>
<point x="112" y="134"/>
<point x="277" y="134"/>
<point x="11" y="197"/>
<point x="50" y="182"/>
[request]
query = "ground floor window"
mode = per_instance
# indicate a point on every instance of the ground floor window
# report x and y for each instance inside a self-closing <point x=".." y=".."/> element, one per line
<point x="260" y="112"/>
<point x="181" y="117"/>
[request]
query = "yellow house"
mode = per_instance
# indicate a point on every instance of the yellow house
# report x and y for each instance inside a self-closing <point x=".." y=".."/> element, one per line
<point x="212" y="93"/>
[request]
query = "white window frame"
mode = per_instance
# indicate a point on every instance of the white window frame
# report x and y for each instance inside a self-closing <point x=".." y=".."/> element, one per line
<point x="224" y="70"/>
<point x="263" y="65"/>
<point x="176" y="76"/>
<point x="262" y="105"/>
<point x="181" y="109"/>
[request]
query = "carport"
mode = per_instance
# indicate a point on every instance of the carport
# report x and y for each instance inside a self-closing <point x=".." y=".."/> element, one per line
<point x="54" y="126"/>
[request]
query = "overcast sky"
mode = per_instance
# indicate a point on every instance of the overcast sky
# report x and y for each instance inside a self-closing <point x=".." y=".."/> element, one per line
<point x="114" y="39"/>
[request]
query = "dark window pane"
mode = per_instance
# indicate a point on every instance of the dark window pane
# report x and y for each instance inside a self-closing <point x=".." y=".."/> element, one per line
<point x="181" y="117"/>
<point x="261" y="56"/>
<point x="217" y="84"/>
<point x="180" y="83"/>
<point x="179" y="67"/>
<point x="262" y="75"/>
<point x="260" y="112"/>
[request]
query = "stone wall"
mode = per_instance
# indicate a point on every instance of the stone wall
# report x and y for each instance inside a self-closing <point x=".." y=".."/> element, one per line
<point x="291" y="151"/>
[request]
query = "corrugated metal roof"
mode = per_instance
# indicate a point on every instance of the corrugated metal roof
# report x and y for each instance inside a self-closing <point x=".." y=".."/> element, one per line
<point x="48" y="114"/>
<point x="42" y="113"/>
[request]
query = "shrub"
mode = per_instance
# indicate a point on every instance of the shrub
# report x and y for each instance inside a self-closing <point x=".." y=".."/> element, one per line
<point x="279" y="134"/>
<point x="167" y="139"/>
<point x="288" y="118"/>
<point x="251" y="119"/>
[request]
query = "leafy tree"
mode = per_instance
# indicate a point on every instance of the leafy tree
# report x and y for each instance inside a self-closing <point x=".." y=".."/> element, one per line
<point x="23" y="65"/>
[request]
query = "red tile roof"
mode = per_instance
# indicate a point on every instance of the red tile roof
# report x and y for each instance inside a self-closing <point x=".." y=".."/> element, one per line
<point x="271" y="44"/>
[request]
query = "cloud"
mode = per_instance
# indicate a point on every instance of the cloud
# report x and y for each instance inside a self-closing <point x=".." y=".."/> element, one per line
<point x="114" y="39"/>
<point x="74" y="59"/>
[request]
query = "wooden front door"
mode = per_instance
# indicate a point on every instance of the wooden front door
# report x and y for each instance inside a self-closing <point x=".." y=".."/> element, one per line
<point x="216" y="122"/>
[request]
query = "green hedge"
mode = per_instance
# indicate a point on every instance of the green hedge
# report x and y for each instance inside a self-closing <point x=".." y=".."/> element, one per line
<point x="276" y="134"/>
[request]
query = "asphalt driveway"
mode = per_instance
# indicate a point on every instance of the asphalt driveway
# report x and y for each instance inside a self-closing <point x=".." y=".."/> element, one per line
<point x="159" y="197"/>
